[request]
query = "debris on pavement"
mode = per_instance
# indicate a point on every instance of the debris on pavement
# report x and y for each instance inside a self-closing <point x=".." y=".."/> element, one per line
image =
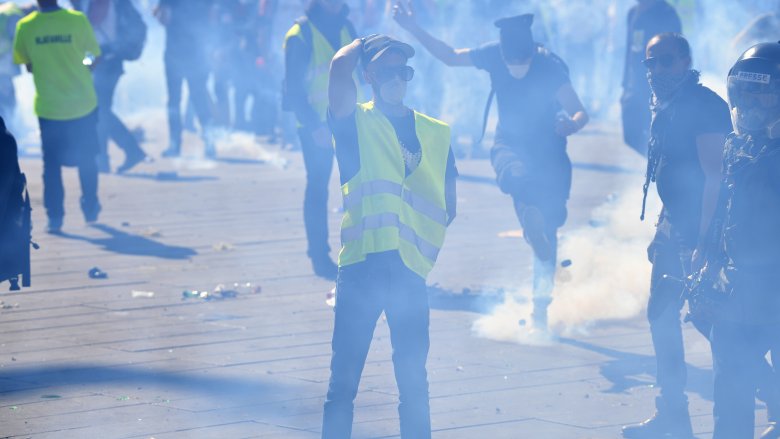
<point x="330" y="298"/>
<point x="223" y="246"/>
<point x="142" y="294"/>
<point x="97" y="273"/>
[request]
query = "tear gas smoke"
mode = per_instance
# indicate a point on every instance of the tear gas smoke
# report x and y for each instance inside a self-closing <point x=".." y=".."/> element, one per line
<point x="608" y="279"/>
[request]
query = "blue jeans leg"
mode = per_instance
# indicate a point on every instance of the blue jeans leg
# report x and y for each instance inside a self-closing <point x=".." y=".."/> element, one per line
<point x="357" y="309"/>
<point x="408" y="316"/>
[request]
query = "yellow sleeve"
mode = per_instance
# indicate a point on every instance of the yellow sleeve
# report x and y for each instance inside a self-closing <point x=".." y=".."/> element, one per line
<point x="20" y="48"/>
<point x="88" y="38"/>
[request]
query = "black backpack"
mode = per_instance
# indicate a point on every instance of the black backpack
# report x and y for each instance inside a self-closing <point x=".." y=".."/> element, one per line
<point x="132" y="30"/>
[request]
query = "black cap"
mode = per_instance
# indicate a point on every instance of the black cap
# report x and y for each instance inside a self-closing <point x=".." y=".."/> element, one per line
<point x="517" y="41"/>
<point x="376" y="45"/>
<point x="517" y="22"/>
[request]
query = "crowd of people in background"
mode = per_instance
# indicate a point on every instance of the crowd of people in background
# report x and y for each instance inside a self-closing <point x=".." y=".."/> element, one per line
<point x="271" y="67"/>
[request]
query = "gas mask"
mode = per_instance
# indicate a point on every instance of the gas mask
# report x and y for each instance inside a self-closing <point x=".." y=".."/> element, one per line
<point x="393" y="91"/>
<point x="519" y="71"/>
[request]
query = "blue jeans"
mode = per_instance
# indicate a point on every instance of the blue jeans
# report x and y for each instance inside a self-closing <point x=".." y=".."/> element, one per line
<point x="738" y="352"/>
<point x="381" y="283"/>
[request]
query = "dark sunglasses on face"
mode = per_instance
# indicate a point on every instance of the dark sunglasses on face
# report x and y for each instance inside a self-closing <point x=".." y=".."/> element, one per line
<point x="406" y="73"/>
<point x="666" y="60"/>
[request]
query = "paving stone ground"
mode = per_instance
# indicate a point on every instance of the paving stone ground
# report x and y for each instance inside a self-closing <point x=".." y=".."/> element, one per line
<point x="84" y="358"/>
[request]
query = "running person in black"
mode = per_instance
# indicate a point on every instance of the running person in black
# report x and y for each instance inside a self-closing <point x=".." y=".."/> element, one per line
<point x="537" y="110"/>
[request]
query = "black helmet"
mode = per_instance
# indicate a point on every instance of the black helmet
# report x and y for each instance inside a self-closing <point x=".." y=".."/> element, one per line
<point x="754" y="91"/>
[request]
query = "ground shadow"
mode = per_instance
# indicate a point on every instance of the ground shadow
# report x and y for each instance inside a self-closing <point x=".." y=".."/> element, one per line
<point x="170" y="177"/>
<point x="128" y="244"/>
<point x="39" y="379"/>
<point x="606" y="169"/>
<point x="240" y="161"/>
<point x="481" y="302"/>
<point x="620" y="370"/>
<point x="595" y="167"/>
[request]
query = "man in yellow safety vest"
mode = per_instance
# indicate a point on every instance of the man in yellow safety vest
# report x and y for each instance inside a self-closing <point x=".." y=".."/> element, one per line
<point x="398" y="182"/>
<point x="308" y="47"/>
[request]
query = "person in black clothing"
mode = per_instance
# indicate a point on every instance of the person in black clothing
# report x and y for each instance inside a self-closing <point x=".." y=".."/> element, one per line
<point x="11" y="209"/>
<point x="738" y="289"/>
<point x="257" y="70"/>
<point x="185" y="59"/>
<point x="645" y="20"/>
<point x="689" y="126"/>
<point x="120" y="30"/>
<point x="537" y="110"/>
<point x="307" y="59"/>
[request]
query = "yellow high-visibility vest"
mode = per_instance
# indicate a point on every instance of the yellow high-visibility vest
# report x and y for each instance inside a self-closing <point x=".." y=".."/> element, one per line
<point x="318" y="74"/>
<point x="386" y="210"/>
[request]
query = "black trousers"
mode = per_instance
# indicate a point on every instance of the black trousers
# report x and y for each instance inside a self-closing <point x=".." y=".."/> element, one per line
<point x="106" y="77"/>
<point x="319" y="166"/>
<point x="69" y="143"/>
<point x="179" y="68"/>
<point x="670" y="256"/>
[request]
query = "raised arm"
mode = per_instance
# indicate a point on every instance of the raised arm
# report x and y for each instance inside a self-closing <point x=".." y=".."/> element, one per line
<point x="342" y="91"/>
<point x="403" y="14"/>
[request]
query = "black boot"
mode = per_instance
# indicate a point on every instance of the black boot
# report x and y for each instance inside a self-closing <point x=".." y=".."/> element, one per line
<point x="668" y="422"/>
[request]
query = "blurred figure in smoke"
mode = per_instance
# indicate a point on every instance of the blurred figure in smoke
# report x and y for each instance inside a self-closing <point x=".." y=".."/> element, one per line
<point x="257" y="70"/>
<point x="764" y="27"/>
<point x="121" y="33"/>
<point x="689" y="126"/>
<point x="57" y="46"/>
<point x="309" y="46"/>
<point x="185" y="60"/>
<point x="10" y="14"/>
<point x="645" y="20"/>
<point x="537" y="110"/>
<point x="398" y="181"/>
<point x="581" y="44"/>
<point x="743" y="270"/>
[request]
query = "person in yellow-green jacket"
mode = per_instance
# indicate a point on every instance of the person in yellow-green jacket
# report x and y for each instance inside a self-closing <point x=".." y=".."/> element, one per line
<point x="398" y="177"/>
<point x="59" y="47"/>
<point x="308" y="47"/>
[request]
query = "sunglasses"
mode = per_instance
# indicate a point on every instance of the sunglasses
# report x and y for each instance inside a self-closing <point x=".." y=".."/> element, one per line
<point x="406" y="73"/>
<point x="666" y="60"/>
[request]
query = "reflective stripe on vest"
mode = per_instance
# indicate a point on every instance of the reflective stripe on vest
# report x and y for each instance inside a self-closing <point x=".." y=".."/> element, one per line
<point x="385" y="209"/>
<point x="319" y="66"/>
<point x="418" y="203"/>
